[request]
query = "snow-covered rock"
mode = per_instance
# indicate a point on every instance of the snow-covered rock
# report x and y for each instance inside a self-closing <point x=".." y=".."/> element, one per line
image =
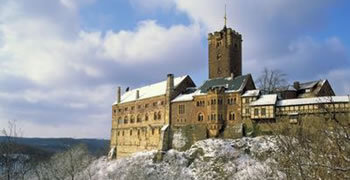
<point x="245" y="158"/>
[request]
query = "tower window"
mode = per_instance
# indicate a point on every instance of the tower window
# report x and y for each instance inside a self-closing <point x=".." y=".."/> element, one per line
<point x="232" y="116"/>
<point x="200" y="117"/>
<point x="219" y="70"/>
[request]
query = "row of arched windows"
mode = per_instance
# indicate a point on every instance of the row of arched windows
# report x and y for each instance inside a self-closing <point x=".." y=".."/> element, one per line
<point x="138" y="132"/>
<point x="231" y="116"/>
<point x="125" y="120"/>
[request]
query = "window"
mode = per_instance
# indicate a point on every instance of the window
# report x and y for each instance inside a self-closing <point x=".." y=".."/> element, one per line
<point x="115" y="111"/>
<point x="159" y="116"/>
<point x="247" y="110"/>
<point x="146" y="105"/>
<point x="232" y="116"/>
<point x="220" y="117"/>
<point x="155" y="116"/>
<point x="138" y="132"/>
<point x="213" y="117"/>
<point x="118" y="133"/>
<point x="152" y="131"/>
<point x="182" y="109"/>
<point x="126" y="109"/>
<point x="126" y="119"/>
<point x="138" y="119"/>
<point x="132" y="119"/>
<point x="122" y="133"/>
<point x="119" y="110"/>
<point x="130" y="132"/>
<point x="200" y="117"/>
<point x="132" y="108"/>
<point x="256" y="112"/>
<point x="139" y="107"/>
<point x="219" y="101"/>
<point x="146" y="117"/>
<point x="120" y="120"/>
<point x="219" y="69"/>
<point x="263" y="111"/>
<point x="155" y="104"/>
<point x="234" y="100"/>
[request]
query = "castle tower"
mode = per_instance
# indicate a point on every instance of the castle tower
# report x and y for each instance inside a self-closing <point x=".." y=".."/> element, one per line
<point x="225" y="53"/>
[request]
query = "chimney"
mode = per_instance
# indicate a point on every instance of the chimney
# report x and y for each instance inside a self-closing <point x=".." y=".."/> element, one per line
<point x="137" y="94"/>
<point x="170" y="85"/>
<point x="296" y="85"/>
<point x="119" y="95"/>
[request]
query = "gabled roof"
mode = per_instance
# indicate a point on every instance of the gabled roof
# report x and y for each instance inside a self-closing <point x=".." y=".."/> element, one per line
<point x="152" y="90"/>
<point x="309" y="85"/>
<point x="315" y="100"/>
<point x="269" y="99"/>
<point x="232" y="85"/>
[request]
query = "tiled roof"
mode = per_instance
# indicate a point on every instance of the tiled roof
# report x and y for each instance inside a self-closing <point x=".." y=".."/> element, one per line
<point x="235" y="84"/>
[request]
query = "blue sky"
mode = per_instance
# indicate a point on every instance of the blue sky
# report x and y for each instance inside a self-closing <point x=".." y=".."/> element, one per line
<point x="61" y="60"/>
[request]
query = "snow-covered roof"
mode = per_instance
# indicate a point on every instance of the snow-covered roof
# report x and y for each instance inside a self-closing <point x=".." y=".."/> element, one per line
<point x="152" y="90"/>
<point x="187" y="97"/>
<point x="315" y="100"/>
<point x="230" y="84"/>
<point x="251" y="93"/>
<point x="269" y="99"/>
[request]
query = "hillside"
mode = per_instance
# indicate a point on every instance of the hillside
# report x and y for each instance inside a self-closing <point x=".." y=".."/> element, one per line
<point x="245" y="158"/>
<point x="54" y="145"/>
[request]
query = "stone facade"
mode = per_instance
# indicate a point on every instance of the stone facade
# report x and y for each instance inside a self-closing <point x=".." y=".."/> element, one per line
<point x="225" y="53"/>
<point x="175" y="113"/>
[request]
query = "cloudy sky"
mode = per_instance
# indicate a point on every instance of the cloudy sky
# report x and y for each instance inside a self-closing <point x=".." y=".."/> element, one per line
<point x="61" y="60"/>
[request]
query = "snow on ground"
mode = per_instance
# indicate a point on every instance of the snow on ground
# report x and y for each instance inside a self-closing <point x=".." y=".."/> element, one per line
<point x="239" y="159"/>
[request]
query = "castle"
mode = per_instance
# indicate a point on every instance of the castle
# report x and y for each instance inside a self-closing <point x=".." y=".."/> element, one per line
<point x="173" y="114"/>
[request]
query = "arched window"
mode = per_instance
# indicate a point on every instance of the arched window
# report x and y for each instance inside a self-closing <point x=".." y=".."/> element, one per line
<point x="232" y="116"/>
<point x="146" y="117"/>
<point x="138" y="132"/>
<point x="130" y="132"/>
<point x="132" y="119"/>
<point x="200" y="117"/>
<point x="138" y="119"/>
<point x="155" y="115"/>
<point x="126" y="120"/>
<point x="120" y="120"/>
<point x="159" y="116"/>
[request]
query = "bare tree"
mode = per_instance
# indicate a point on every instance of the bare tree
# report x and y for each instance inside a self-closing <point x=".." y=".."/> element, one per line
<point x="65" y="165"/>
<point x="270" y="80"/>
<point x="13" y="162"/>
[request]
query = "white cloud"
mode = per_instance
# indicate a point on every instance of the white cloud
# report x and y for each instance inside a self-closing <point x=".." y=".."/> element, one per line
<point x="150" y="42"/>
<point x="67" y="72"/>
